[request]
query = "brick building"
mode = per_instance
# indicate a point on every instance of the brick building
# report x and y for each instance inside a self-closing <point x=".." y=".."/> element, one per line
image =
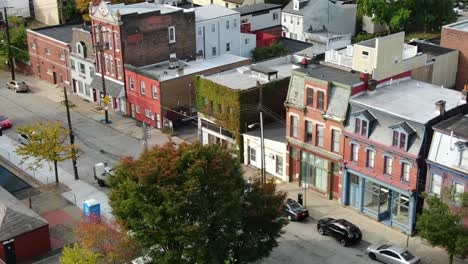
<point x="386" y="141"/>
<point x="164" y="93"/>
<point x="455" y="36"/>
<point x="49" y="53"/>
<point x="316" y="108"/>
<point x="447" y="163"/>
<point x="129" y="32"/>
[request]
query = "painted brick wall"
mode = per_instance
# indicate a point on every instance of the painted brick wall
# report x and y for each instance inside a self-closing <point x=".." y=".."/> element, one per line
<point x="29" y="245"/>
<point x="457" y="39"/>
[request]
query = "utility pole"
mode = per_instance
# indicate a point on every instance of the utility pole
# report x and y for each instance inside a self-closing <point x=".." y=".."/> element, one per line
<point x="72" y="135"/>
<point x="145" y="135"/>
<point x="262" y="149"/>
<point x="10" y="57"/>
<point x="101" y="48"/>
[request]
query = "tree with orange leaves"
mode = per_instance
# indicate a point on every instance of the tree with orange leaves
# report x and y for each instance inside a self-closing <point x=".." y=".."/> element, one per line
<point x="112" y="244"/>
<point x="191" y="204"/>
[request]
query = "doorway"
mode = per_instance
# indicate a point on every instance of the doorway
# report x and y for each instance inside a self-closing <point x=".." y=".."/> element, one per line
<point x="354" y="195"/>
<point x="9" y="248"/>
<point x="54" y="74"/>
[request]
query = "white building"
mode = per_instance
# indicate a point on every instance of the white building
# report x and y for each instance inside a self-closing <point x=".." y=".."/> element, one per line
<point x="259" y="17"/>
<point x="322" y="22"/>
<point x="15" y="8"/>
<point x="218" y="32"/>
<point x="225" y="3"/>
<point x="274" y="135"/>
<point x="82" y="66"/>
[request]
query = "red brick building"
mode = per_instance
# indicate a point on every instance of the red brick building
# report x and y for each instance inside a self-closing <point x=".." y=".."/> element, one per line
<point x="23" y="233"/>
<point x="129" y="32"/>
<point x="49" y="53"/>
<point x="316" y="111"/>
<point x="455" y="36"/>
<point x="163" y="94"/>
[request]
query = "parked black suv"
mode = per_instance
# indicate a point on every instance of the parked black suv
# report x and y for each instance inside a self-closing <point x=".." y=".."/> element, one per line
<point x="345" y="232"/>
<point x="294" y="211"/>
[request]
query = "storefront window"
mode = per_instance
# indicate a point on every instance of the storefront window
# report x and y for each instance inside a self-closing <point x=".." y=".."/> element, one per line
<point x="371" y="196"/>
<point x="314" y="171"/>
<point x="400" y="209"/>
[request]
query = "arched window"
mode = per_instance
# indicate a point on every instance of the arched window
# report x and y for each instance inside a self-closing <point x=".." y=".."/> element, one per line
<point x="81" y="49"/>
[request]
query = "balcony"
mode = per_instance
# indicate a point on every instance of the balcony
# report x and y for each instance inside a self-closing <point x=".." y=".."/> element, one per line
<point x="341" y="57"/>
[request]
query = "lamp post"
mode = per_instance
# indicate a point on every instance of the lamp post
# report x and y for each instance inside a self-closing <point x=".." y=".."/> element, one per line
<point x="262" y="147"/>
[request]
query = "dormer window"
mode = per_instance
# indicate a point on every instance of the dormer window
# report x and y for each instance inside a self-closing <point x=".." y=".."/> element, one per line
<point x="361" y="126"/>
<point x="399" y="139"/>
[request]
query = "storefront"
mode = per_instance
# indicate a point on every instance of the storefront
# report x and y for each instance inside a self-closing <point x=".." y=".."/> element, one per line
<point x="379" y="200"/>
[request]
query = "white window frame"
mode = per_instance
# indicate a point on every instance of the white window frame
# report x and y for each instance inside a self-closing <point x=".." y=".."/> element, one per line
<point x="148" y="113"/>
<point x="33" y="45"/>
<point x="119" y="68"/>
<point x="354" y="152"/>
<point x="137" y="109"/>
<point x="112" y="66"/>
<point x="227" y="25"/>
<point x="117" y="41"/>
<point x="370" y="163"/>
<point x="405" y="172"/>
<point x="169" y="29"/>
<point x="142" y="87"/>
<point x="455" y="195"/>
<point x="228" y="46"/>
<point x="132" y="83"/>
<point x="154" y="90"/>
<point x="440" y="180"/>
<point x="388" y="165"/>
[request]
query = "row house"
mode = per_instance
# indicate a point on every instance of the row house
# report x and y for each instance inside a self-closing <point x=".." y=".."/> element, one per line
<point x="49" y="53"/>
<point x="163" y="94"/>
<point x="226" y="3"/>
<point x="447" y="163"/>
<point x="316" y="108"/>
<point x="455" y="36"/>
<point x="218" y="33"/>
<point x="82" y="67"/>
<point x="128" y="32"/>
<point x="387" y="137"/>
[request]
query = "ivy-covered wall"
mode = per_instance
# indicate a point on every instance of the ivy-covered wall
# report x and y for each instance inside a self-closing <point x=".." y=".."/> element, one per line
<point x="235" y="109"/>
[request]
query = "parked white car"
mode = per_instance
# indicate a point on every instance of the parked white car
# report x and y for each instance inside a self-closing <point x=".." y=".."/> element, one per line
<point x="391" y="254"/>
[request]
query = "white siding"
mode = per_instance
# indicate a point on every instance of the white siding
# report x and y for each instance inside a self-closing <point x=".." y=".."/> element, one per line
<point x="262" y="21"/>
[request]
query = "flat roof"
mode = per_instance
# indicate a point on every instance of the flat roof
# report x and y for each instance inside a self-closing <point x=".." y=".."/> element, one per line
<point x="141" y="8"/>
<point x="331" y="74"/>
<point x="212" y="11"/>
<point x="409" y="99"/>
<point x="430" y="49"/>
<point x="461" y="25"/>
<point x="245" y="77"/>
<point x="458" y="124"/>
<point x="162" y="72"/>
<point x="256" y="8"/>
<point x="273" y="131"/>
<point x="61" y="33"/>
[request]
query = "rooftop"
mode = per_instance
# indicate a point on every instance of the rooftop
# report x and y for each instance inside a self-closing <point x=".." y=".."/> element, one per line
<point x="461" y="25"/>
<point x="212" y="11"/>
<point x="430" y="49"/>
<point x="15" y="218"/>
<point x="458" y="124"/>
<point x="163" y="73"/>
<point x="245" y="77"/>
<point x="331" y="74"/>
<point x="61" y="33"/>
<point x="273" y="131"/>
<point x="297" y="47"/>
<point x="256" y="8"/>
<point x="141" y="8"/>
<point x="409" y="99"/>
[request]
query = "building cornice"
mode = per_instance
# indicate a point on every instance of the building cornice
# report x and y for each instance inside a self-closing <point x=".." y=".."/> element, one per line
<point x="317" y="150"/>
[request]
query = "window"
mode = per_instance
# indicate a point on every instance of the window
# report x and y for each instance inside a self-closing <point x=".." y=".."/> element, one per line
<point x="390" y="254"/>
<point x="142" y="87"/>
<point x="365" y="54"/>
<point x="463" y="158"/>
<point x="309" y="129"/>
<point x="275" y="16"/>
<point x="47" y="51"/>
<point x="91" y="71"/>
<point x="436" y="184"/>
<point x="172" y="37"/>
<point x="405" y="172"/>
<point x="147" y="113"/>
<point x="82" y="68"/>
<point x="213" y="28"/>
<point x="335" y="168"/>
<point x="213" y="51"/>
<point x="228" y="47"/>
<point x="226" y="5"/>
<point x="399" y="140"/>
<point x="354" y="152"/>
<point x="158" y="121"/>
<point x="310" y="97"/>
<point x="119" y="69"/>
<point x="155" y="91"/>
<point x="360" y="126"/>
<point x="227" y="24"/>
<point x="388" y="163"/>
<point x="319" y="136"/>
<point x="314" y="171"/>
<point x="253" y="154"/>
<point x="335" y="140"/>
<point x="284" y="18"/>
<point x="80" y="87"/>
<point x="112" y="66"/>
<point x="109" y="40"/>
<point x="247" y="41"/>
<point x="60" y="78"/>
<point x="320" y="100"/>
<point x="33" y="45"/>
<point x="211" y="107"/>
<point x="292" y="21"/>
<point x="107" y="63"/>
<point x="400" y="208"/>
<point x="293" y="128"/>
<point x="370" y="158"/>
<point x="132" y="84"/>
<point x="117" y="41"/>
<point x="457" y="191"/>
<point x="62" y="56"/>
<point x="72" y="65"/>
<point x="298" y="21"/>
<point x="137" y="109"/>
<point x="279" y="165"/>
<point x="79" y="49"/>
<point x="235" y="23"/>
<point x="199" y="31"/>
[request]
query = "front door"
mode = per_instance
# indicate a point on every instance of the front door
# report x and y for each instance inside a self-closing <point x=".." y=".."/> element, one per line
<point x="74" y="85"/>
<point x="354" y="196"/>
<point x="132" y="110"/>
<point x="94" y="95"/>
<point x="10" y="255"/>
<point x="54" y="74"/>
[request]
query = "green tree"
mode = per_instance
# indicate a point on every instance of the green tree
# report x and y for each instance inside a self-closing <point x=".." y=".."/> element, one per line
<point x="46" y="144"/>
<point x="191" y="204"/>
<point x="394" y="13"/>
<point x="18" y="40"/>
<point x="438" y="225"/>
<point x="431" y="15"/>
<point x="70" y="12"/>
<point x="78" y="255"/>
<point x="276" y="49"/>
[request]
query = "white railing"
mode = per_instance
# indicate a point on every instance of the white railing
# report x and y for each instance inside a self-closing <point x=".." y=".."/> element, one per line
<point x="334" y="57"/>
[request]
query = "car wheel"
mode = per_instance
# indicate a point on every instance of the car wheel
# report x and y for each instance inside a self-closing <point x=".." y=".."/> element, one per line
<point x="101" y="183"/>
<point x="343" y="242"/>
<point x="372" y="256"/>
<point x="321" y="231"/>
<point x="16" y="91"/>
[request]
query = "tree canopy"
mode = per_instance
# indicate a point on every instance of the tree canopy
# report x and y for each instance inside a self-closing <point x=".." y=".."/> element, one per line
<point x="276" y="49"/>
<point x="192" y="205"/>
<point x="442" y="228"/>
<point x="18" y="40"/>
<point x="77" y="254"/>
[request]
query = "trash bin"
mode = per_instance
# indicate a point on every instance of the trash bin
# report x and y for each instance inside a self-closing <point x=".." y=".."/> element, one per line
<point x="300" y="198"/>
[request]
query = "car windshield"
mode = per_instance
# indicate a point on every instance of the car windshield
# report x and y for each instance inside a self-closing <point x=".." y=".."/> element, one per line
<point x="407" y="255"/>
<point x="3" y="118"/>
<point x="295" y="206"/>
<point x="21" y="83"/>
<point x="383" y="247"/>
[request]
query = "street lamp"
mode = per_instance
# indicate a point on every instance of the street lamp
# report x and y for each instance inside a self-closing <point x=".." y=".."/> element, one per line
<point x="262" y="147"/>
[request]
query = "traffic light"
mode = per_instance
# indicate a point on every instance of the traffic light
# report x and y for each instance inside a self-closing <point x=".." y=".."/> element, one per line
<point x="106" y="100"/>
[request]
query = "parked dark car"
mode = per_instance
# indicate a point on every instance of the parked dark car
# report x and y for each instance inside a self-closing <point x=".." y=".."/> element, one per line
<point x="345" y="232"/>
<point x="294" y="211"/>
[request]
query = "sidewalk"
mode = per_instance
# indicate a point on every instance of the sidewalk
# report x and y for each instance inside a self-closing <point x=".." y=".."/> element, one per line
<point x="79" y="190"/>
<point x="373" y="231"/>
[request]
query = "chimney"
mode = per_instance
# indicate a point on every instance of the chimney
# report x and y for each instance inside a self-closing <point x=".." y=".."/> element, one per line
<point x="440" y="107"/>
<point x="464" y="95"/>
